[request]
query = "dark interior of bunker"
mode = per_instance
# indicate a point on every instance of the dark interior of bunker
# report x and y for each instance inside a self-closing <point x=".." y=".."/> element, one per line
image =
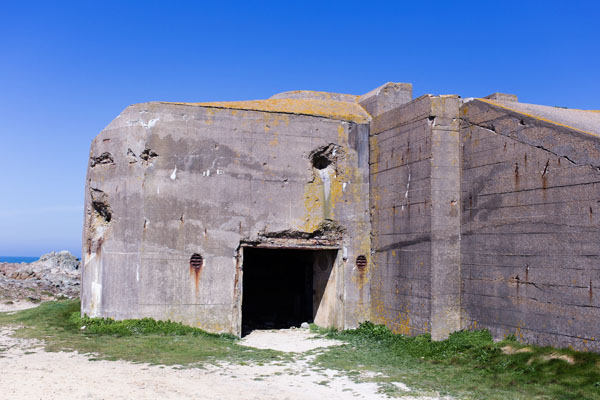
<point x="282" y="287"/>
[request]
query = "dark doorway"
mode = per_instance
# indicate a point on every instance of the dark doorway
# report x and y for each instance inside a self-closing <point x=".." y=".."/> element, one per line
<point x="281" y="288"/>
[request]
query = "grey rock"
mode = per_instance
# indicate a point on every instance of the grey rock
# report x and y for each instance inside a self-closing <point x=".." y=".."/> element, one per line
<point x="55" y="274"/>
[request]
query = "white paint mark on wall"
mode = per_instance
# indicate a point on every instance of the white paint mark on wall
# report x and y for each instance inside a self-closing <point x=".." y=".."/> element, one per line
<point x="324" y="174"/>
<point x="93" y="263"/>
<point x="137" y="272"/>
<point x="220" y="172"/>
<point x="157" y="190"/>
<point x="89" y="258"/>
<point x="174" y="174"/>
<point x="407" y="187"/>
<point x="344" y="186"/>
<point x="95" y="300"/>
<point x="206" y="173"/>
<point x="149" y="125"/>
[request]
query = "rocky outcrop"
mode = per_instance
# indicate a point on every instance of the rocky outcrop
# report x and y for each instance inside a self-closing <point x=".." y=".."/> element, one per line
<point x="54" y="275"/>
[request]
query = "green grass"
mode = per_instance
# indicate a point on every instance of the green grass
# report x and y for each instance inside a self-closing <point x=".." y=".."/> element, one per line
<point x="467" y="365"/>
<point x="156" y="342"/>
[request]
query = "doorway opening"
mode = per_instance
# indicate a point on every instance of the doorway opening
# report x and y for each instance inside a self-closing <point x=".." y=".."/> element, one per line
<point x="284" y="287"/>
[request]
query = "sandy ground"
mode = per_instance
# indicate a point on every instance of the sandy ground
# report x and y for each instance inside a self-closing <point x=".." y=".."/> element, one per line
<point x="287" y="340"/>
<point x="16" y="305"/>
<point x="29" y="372"/>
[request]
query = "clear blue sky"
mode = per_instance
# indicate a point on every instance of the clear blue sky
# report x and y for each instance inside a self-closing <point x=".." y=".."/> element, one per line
<point x="68" y="68"/>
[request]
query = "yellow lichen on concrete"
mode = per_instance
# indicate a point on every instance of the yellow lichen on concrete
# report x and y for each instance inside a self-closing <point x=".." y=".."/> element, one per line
<point x="210" y="115"/>
<point x="275" y="120"/>
<point x="340" y="110"/>
<point x="316" y="95"/>
<point x="313" y="199"/>
<point x="403" y="321"/>
<point x="364" y="277"/>
<point x="275" y="140"/>
<point x="439" y="103"/>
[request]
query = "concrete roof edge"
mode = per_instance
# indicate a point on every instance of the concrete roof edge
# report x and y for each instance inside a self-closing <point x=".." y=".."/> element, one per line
<point x="544" y="120"/>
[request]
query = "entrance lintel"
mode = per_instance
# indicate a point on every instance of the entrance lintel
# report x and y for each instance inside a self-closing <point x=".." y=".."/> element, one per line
<point x="289" y="243"/>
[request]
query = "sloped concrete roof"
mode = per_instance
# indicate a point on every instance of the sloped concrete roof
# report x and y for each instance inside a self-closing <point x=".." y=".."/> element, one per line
<point x="333" y="109"/>
<point x="585" y="121"/>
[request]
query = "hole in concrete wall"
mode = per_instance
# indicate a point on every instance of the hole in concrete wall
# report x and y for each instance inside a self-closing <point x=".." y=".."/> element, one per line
<point x="100" y="204"/>
<point x="104" y="158"/>
<point x="320" y="161"/>
<point x="361" y="262"/>
<point x="131" y="157"/>
<point x="283" y="287"/>
<point x="196" y="261"/>
<point x="102" y="209"/>
<point x="324" y="156"/>
<point x="148" y="155"/>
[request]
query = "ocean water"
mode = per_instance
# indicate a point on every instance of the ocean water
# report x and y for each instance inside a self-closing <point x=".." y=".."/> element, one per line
<point x="18" y="259"/>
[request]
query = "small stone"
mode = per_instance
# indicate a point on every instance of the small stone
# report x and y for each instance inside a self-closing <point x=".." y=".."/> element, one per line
<point x="304" y="325"/>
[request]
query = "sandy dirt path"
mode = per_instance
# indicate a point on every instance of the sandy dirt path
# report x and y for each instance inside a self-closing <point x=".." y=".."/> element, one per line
<point x="16" y="305"/>
<point x="29" y="372"/>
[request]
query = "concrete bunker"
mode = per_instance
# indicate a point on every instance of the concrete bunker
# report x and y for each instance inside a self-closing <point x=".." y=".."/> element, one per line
<point x="284" y="287"/>
<point x="424" y="211"/>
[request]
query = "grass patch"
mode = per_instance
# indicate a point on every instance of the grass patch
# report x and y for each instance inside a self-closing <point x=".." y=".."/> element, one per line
<point x="468" y="364"/>
<point x="144" y="326"/>
<point x="58" y="324"/>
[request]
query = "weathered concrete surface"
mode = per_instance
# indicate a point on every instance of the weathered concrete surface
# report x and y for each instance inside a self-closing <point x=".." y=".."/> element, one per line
<point x="386" y="97"/>
<point x="400" y="146"/>
<point x="445" y="217"/>
<point x="530" y="229"/>
<point x="415" y="209"/>
<point x="167" y="181"/>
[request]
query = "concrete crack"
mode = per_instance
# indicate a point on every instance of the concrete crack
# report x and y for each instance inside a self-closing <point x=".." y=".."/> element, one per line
<point x="492" y="128"/>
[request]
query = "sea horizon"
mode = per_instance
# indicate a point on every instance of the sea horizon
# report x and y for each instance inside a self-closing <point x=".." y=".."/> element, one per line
<point x="18" y="259"/>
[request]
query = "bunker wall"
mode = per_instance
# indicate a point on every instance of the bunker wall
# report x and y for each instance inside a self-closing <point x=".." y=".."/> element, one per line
<point x="530" y="228"/>
<point x="167" y="181"/>
<point x="415" y="217"/>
